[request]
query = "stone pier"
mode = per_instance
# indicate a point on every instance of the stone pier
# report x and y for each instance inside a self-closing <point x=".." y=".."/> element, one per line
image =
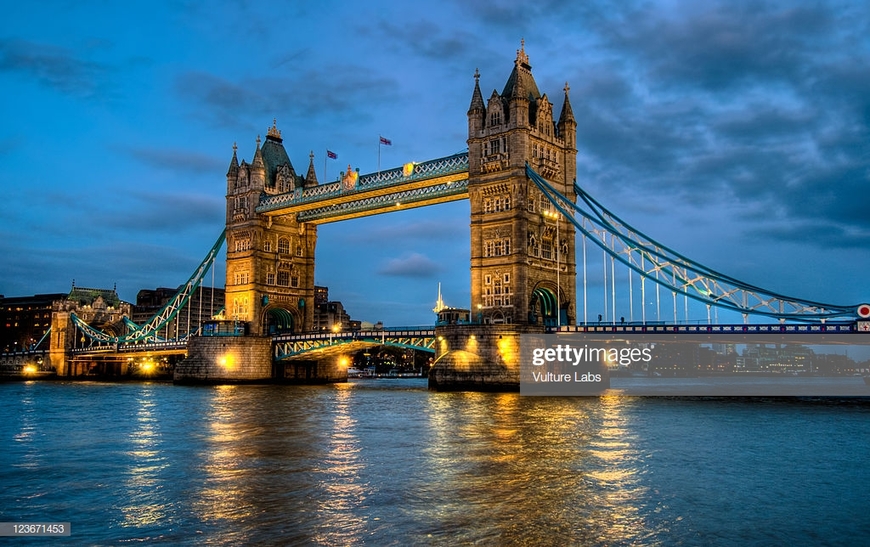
<point x="226" y="360"/>
<point x="478" y="357"/>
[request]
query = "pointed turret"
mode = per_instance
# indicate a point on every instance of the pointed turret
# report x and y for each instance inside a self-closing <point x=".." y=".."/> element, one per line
<point x="311" y="176"/>
<point x="233" y="171"/>
<point x="258" y="169"/>
<point x="477" y="110"/>
<point x="567" y="123"/>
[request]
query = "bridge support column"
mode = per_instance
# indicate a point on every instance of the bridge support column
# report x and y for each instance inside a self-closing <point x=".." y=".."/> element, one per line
<point x="226" y="360"/>
<point x="478" y="357"/>
<point x="59" y="342"/>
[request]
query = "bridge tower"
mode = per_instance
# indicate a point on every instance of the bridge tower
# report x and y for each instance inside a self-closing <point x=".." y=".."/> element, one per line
<point x="523" y="268"/>
<point x="270" y="260"/>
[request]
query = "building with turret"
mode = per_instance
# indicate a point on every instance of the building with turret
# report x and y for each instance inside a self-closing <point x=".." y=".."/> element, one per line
<point x="270" y="260"/>
<point x="522" y="251"/>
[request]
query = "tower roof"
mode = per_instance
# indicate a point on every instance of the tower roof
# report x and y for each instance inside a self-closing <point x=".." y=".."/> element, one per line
<point x="274" y="155"/>
<point x="521" y="82"/>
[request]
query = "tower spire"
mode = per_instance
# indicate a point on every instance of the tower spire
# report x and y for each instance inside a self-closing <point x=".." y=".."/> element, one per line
<point x="234" y="163"/>
<point x="439" y="304"/>
<point x="311" y="176"/>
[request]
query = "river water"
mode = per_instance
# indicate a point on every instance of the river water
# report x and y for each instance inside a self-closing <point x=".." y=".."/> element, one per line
<point x="386" y="462"/>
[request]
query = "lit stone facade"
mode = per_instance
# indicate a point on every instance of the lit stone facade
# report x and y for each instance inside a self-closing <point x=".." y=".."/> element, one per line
<point x="516" y="245"/>
<point x="270" y="260"/>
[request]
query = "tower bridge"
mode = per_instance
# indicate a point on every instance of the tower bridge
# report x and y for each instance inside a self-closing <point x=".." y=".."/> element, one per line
<point x="526" y="213"/>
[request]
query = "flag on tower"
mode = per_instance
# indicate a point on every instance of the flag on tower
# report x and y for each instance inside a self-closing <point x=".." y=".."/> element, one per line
<point x="386" y="142"/>
<point x="331" y="155"/>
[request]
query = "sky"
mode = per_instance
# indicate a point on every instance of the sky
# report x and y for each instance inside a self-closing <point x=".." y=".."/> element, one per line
<point x="737" y="133"/>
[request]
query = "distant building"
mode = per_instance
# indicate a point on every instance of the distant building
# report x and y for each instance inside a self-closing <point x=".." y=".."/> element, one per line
<point x="204" y="303"/>
<point x="331" y="315"/>
<point x="25" y="319"/>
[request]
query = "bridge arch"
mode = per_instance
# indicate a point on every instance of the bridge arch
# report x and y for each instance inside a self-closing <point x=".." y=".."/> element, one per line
<point x="543" y="305"/>
<point x="279" y="320"/>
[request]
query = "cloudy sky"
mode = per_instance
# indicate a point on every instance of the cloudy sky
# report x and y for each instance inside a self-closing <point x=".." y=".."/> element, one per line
<point x="738" y="133"/>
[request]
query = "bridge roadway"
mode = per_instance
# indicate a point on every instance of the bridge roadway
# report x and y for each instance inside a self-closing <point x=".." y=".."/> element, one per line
<point x="324" y="344"/>
<point x="414" y="185"/>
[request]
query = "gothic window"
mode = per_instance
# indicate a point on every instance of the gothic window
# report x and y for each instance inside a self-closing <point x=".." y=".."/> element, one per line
<point x="242" y="244"/>
<point x="267" y="246"/>
<point x="533" y="246"/>
<point x="507" y="203"/>
<point x="284" y="246"/>
<point x="294" y="281"/>
<point x="495" y="118"/>
<point x="546" y="249"/>
<point x="487" y="205"/>
<point x="299" y="250"/>
<point x="497" y="247"/>
<point x="270" y="279"/>
<point x="507" y="278"/>
<point x="283" y="278"/>
<point x="240" y="308"/>
<point x="487" y="280"/>
<point x="494" y="146"/>
<point x="544" y="204"/>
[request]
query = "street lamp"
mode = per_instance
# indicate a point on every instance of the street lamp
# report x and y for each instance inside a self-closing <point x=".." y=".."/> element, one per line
<point x="556" y="216"/>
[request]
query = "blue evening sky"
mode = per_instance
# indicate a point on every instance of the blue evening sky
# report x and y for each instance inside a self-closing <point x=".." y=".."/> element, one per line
<point x="738" y="133"/>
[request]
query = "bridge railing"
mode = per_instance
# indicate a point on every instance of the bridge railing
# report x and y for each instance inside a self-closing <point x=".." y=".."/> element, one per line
<point x="448" y="165"/>
<point x="812" y="328"/>
<point x="427" y="330"/>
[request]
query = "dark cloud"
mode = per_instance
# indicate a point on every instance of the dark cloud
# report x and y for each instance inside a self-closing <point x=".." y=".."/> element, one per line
<point x="174" y="159"/>
<point x="413" y="265"/>
<point x="761" y="105"/>
<point x="338" y="92"/>
<point x="55" y="67"/>
<point x="169" y="213"/>
<point x="441" y="42"/>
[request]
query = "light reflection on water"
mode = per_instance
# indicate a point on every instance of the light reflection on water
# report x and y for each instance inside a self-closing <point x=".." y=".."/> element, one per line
<point x="389" y="463"/>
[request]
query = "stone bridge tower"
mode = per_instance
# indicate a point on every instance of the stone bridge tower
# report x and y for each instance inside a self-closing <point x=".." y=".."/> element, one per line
<point x="523" y="268"/>
<point x="270" y="261"/>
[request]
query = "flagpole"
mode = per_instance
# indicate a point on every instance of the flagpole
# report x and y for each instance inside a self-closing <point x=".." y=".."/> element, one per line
<point x="379" y="155"/>
<point x="325" y="156"/>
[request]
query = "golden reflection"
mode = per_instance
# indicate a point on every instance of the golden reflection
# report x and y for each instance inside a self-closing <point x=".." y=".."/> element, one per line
<point x="228" y="447"/>
<point x="518" y="469"/>
<point x="142" y="481"/>
<point x="340" y="472"/>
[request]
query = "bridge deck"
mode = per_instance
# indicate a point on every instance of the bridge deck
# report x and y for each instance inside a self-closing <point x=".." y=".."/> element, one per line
<point x="436" y="181"/>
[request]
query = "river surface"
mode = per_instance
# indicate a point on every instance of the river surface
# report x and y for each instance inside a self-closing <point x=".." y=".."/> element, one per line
<point x="386" y="462"/>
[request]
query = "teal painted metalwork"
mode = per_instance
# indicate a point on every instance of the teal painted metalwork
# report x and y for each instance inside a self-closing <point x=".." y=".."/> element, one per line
<point x="677" y="273"/>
